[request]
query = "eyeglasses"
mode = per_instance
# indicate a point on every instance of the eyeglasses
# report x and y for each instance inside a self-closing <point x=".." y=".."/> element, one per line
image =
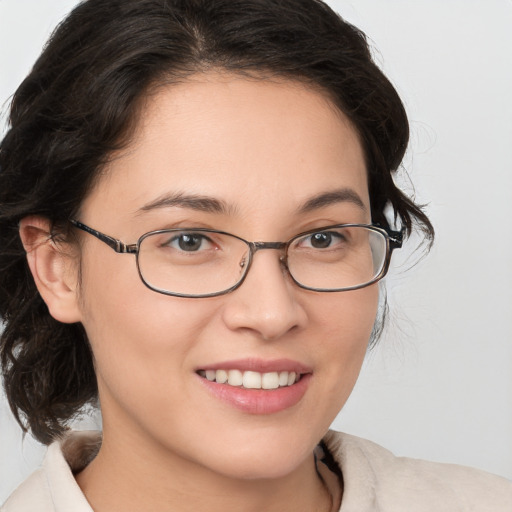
<point x="197" y="262"/>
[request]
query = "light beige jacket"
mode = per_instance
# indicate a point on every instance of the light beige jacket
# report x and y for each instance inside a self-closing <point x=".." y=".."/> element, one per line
<point x="374" y="481"/>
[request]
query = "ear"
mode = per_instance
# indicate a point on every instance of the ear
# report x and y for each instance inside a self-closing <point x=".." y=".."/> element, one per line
<point x="53" y="268"/>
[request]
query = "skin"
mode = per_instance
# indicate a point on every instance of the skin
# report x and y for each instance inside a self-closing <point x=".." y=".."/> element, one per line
<point x="264" y="148"/>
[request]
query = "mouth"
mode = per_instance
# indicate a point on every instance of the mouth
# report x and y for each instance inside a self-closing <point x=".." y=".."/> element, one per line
<point x="252" y="379"/>
<point x="257" y="386"/>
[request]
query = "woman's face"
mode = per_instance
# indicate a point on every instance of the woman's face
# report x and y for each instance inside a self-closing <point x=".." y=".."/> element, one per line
<point x="261" y="156"/>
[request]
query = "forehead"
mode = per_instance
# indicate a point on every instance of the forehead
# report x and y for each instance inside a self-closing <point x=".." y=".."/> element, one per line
<point x="245" y="141"/>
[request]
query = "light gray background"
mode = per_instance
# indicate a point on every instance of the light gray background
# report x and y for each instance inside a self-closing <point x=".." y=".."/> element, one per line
<point x="439" y="385"/>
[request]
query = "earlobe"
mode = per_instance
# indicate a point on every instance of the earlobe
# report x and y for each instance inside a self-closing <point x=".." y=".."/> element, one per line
<point x="52" y="267"/>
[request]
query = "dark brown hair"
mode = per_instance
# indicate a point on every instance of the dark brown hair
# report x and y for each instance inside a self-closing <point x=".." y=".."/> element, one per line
<point x="80" y="103"/>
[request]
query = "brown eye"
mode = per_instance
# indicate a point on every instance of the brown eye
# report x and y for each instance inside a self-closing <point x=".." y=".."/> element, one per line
<point x="321" y="240"/>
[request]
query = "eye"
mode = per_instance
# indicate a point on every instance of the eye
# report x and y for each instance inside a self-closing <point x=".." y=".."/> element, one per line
<point x="321" y="240"/>
<point x="190" y="242"/>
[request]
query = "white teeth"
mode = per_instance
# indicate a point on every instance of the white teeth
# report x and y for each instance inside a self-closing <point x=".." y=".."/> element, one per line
<point x="250" y="379"/>
<point x="235" y="378"/>
<point x="221" y="376"/>
<point x="270" y="380"/>
<point x="283" y="379"/>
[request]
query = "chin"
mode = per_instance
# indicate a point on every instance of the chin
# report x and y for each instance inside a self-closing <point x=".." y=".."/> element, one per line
<point x="257" y="468"/>
<point x="263" y="455"/>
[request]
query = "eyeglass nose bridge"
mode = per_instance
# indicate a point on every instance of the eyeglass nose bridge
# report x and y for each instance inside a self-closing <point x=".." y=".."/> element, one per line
<point x="279" y="246"/>
<point x="268" y="245"/>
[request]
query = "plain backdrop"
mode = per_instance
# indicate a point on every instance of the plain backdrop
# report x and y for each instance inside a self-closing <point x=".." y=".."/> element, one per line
<point x="439" y="384"/>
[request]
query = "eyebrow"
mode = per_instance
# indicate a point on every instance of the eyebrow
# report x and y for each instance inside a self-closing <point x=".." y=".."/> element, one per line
<point x="191" y="201"/>
<point x="342" y="195"/>
<point x="213" y="205"/>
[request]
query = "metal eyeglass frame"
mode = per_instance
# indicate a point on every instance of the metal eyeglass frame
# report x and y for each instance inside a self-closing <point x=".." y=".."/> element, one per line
<point x="394" y="240"/>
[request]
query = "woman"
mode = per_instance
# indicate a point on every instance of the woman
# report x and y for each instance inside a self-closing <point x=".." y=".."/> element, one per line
<point x="193" y="221"/>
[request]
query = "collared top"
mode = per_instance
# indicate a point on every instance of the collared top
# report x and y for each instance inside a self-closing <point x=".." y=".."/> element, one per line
<point x="373" y="479"/>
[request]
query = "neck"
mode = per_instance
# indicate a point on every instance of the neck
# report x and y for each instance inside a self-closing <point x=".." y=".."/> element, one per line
<point x="130" y="474"/>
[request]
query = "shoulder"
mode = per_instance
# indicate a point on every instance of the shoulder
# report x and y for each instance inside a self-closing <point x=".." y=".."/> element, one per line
<point x="32" y="492"/>
<point x="374" y="477"/>
<point x="53" y="488"/>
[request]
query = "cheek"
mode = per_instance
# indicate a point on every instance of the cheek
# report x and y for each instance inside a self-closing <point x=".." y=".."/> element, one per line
<point x="348" y="325"/>
<point x="139" y="338"/>
<point x="349" y="317"/>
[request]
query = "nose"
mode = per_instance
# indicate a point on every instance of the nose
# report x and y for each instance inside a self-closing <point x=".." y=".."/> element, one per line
<point x="266" y="302"/>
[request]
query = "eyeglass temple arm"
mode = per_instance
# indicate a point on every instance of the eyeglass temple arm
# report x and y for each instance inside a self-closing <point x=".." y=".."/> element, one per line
<point x="115" y="244"/>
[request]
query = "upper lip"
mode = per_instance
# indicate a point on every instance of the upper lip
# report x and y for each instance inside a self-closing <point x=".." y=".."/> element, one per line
<point x="259" y="365"/>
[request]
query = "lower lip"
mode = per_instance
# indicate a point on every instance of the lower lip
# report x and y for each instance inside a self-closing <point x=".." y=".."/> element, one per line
<point x="259" y="401"/>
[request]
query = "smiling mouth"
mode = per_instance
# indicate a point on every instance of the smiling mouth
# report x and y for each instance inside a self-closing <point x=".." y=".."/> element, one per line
<point x="251" y="379"/>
